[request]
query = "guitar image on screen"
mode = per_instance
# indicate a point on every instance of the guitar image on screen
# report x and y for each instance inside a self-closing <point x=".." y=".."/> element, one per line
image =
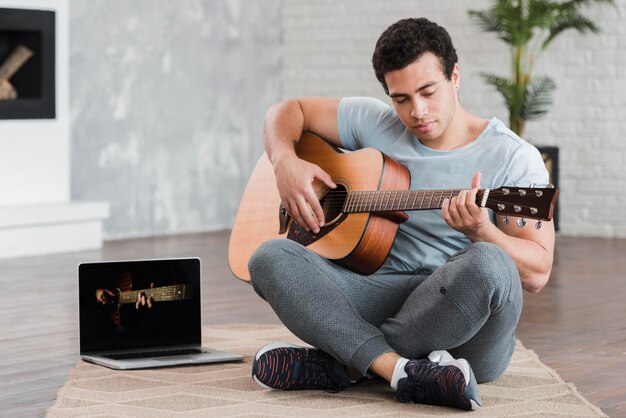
<point x="113" y="299"/>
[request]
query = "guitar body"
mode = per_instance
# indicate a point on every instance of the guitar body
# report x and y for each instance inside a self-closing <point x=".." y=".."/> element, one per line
<point x="358" y="241"/>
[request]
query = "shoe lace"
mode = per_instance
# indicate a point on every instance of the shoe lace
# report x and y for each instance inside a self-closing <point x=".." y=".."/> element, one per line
<point x="316" y="371"/>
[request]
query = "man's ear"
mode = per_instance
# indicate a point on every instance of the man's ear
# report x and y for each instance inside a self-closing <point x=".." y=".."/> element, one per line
<point x="456" y="76"/>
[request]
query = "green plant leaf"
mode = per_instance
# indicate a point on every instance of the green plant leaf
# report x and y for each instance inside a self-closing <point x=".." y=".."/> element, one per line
<point x="537" y="98"/>
<point x="528" y="27"/>
<point x="570" y="21"/>
<point x="488" y="21"/>
<point x="575" y="4"/>
<point x="504" y="86"/>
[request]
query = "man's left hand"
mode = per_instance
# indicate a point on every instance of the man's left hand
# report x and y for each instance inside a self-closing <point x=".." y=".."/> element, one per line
<point x="144" y="300"/>
<point x="463" y="214"/>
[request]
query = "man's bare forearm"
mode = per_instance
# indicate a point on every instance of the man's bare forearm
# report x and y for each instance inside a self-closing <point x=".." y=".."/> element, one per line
<point x="533" y="260"/>
<point x="283" y="127"/>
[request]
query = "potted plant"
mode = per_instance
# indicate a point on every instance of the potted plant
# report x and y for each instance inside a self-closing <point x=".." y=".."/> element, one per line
<point x="529" y="27"/>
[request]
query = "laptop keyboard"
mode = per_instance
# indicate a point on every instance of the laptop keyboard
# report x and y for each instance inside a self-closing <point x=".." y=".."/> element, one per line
<point x="146" y="354"/>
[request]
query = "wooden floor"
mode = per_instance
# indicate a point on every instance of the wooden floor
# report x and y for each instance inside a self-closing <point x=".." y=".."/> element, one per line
<point x="577" y="324"/>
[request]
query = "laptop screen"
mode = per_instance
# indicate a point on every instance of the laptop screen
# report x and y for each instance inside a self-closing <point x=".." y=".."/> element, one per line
<point x="139" y="304"/>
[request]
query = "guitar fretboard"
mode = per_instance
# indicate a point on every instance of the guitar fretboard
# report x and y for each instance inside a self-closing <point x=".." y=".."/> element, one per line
<point x="399" y="200"/>
<point x="159" y="294"/>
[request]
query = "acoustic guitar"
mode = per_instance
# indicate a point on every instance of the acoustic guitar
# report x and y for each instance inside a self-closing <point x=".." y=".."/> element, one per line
<point x="363" y="213"/>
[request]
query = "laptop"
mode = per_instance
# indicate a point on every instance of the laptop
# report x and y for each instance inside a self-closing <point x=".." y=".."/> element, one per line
<point x="143" y="314"/>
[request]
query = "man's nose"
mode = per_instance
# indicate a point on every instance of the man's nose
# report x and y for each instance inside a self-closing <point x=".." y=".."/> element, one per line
<point x="419" y="109"/>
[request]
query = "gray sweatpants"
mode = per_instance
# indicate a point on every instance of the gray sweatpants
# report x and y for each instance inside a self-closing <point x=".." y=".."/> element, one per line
<point x="470" y="306"/>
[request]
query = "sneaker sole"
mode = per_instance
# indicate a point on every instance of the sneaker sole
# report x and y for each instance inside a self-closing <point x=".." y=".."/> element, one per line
<point x="258" y="382"/>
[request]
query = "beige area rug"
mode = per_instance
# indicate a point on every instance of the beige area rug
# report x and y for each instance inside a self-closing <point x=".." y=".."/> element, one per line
<point x="528" y="388"/>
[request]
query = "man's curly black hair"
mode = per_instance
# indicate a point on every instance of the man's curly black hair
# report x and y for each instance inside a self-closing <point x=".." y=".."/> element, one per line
<point x="407" y="40"/>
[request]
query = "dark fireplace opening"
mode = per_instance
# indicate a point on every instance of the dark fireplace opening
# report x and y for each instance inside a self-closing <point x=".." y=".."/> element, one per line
<point x="27" y="64"/>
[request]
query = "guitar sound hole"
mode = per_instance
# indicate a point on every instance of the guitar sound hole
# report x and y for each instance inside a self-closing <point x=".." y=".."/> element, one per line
<point x="332" y="203"/>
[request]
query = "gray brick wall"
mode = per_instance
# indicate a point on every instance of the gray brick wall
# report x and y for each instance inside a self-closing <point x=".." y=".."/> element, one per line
<point x="327" y="52"/>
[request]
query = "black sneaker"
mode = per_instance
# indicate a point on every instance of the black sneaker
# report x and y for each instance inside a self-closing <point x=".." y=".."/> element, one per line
<point x="439" y="380"/>
<point x="290" y="367"/>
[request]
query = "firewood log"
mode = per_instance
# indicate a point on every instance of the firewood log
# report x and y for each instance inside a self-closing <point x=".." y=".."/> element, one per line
<point x="14" y="62"/>
<point x="7" y="91"/>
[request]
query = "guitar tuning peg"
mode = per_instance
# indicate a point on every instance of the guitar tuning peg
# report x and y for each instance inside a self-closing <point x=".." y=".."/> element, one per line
<point x="550" y="186"/>
<point x="538" y="225"/>
<point x="521" y="222"/>
<point x="505" y="220"/>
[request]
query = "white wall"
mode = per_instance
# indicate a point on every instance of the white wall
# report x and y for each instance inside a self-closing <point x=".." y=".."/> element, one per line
<point x="35" y="206"/>
<point x="34" y="154"/>
<point x="328" y="47"/>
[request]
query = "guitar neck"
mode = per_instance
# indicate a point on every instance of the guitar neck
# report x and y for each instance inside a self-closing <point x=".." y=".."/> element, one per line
<point x="401" y="200"/>
<point x="159" y="294"/>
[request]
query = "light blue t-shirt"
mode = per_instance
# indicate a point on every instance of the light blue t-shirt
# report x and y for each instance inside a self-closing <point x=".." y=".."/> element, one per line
<point x="425" y="241"/>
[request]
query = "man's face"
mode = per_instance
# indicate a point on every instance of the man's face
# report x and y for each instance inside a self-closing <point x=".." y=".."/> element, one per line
<point x="424" y="98"/>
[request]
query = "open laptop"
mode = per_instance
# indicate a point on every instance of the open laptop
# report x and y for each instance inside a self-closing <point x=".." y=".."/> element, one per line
<point x="143" y="314"/>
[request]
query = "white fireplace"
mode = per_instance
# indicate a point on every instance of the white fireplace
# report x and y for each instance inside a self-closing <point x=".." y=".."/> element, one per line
<point x="37" y="215"/>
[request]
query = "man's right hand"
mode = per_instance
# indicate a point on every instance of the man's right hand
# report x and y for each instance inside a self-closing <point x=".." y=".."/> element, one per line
<point x="294" y="179"/>
<point x="284" y="123"/>
<point x="103" y="296"/>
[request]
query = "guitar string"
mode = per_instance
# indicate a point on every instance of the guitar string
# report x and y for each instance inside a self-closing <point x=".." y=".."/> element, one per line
<point x="503" y="213"/>
<point x="128" y="292"/>
<point x="336" y="201"/>
<point x="375" y="200"/>
<point x="340" y="203"/>
<point x="163" y="289"/>
<point x="452" y="191"/>
<point x="395" y="199"/>
<point x="153" y="292"/>
<point x="509" y="212"/>
<point x="364" y="198"/>
<point x="437" y="207"/>
<point x="426" y="193"/>
<point x="163" y="292"/>
<point x="159" y="295"/>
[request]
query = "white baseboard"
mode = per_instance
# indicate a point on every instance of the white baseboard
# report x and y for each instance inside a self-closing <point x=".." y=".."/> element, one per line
<point x="51" y="228"/>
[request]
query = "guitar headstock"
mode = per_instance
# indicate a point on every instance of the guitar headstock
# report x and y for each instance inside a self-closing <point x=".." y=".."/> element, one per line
<point x="525" y="202"/>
